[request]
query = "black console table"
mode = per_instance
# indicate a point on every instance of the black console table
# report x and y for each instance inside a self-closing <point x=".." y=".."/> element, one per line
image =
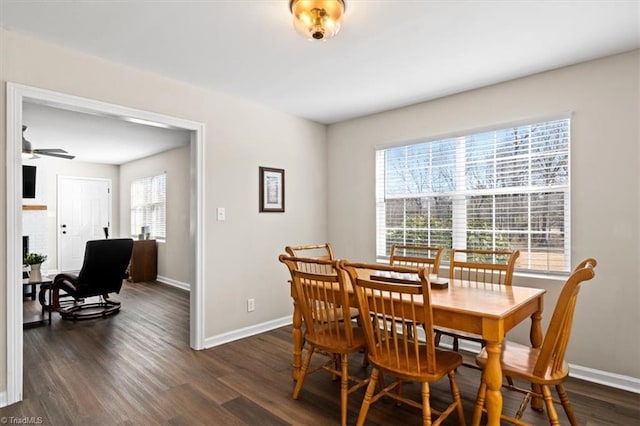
<point x="46" y="284"/>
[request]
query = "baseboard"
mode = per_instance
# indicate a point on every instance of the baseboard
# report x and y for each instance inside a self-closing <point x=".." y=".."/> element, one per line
<point x="612" y="380"/>
<point x="3" y="399"/>
<point x="241" y="333"/>
<point x="174" y="283"/>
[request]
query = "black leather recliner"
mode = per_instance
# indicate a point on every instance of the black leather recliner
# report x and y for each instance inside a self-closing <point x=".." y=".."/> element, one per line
<point x="103" y="269"/>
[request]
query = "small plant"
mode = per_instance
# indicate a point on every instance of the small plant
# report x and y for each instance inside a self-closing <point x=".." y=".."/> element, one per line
<point x="34" y="258"/>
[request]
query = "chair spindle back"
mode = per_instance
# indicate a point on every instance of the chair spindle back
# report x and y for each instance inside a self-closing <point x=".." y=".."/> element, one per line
<point x="417" y="257"/>
<point x="484" y="266"/>
<point x="322" y="296"/>
<point x="394" y="307"/>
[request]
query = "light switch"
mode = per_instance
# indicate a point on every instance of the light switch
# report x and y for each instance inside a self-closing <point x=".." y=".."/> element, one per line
<point x="222" y="214"/>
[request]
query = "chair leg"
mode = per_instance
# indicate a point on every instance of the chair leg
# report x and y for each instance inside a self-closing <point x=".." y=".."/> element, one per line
<point x="477" y="412"/>
<point x="564" y="400"/>
<point x="344" y="388"/>
<point x="365" y="358"/>
<point x="548" y="402"/>
<point x="426" y="406"/>
<point x="455" y="391"/>
<point x="303" y="372"/>
<point x="366" y="402"/>
<point x="523" y="405"/>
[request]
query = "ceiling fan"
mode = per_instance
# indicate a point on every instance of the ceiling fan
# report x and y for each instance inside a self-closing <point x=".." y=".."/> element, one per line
<point x="52" y="152"/>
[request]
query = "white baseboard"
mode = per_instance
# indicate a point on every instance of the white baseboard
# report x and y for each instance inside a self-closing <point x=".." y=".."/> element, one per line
<point x="3" y="399"/>
<point x="174" y="283"/>
<point x="252" y="330"/>
<point x="612" y="380"/>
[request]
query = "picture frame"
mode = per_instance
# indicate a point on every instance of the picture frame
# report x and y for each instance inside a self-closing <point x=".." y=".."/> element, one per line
<point x="271" y="190"/>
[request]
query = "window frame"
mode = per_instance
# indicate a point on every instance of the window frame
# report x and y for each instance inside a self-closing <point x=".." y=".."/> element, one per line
<point x="153" y="205"/>
<point x="458" y="215"/>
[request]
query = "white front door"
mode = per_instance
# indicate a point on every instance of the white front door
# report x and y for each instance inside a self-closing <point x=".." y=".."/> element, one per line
<point x="84" y="210"/>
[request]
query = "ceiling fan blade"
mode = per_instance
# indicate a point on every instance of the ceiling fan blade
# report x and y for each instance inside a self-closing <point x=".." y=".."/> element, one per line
<point x="53" y="154"/>
<point x="43" y="150"/>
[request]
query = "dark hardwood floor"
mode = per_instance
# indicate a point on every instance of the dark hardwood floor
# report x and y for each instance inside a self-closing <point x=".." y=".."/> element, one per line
<point x="136" y="368"/>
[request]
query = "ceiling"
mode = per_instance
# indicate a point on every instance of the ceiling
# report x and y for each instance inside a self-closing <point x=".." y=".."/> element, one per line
<point x="388" y="54"/>
<point x="96" y="138"/>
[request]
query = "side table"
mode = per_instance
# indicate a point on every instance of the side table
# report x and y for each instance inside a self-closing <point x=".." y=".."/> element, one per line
<point x="46" y="284"/>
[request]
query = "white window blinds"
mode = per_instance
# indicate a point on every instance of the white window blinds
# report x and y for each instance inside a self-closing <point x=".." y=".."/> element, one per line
<point x="500" y="189"/>
<point x="148" y="206"/>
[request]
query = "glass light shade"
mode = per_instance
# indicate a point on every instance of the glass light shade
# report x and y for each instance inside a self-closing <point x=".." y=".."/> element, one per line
<point x="317" y="19"/>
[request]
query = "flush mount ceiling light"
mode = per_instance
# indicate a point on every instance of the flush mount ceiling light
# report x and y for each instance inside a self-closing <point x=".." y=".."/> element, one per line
<point x="317" y="19"/>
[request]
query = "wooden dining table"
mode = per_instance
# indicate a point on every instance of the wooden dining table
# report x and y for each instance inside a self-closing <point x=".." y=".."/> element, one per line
<point x="489" y="310"/>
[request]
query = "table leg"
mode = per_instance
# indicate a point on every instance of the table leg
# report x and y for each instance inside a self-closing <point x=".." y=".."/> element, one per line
<point x="297" y="340"/>
<point x="535" y="336"/>
<point x="493" y="379"/>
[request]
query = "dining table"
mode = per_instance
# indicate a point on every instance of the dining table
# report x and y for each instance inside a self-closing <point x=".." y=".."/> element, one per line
<point x="488" y="310"/>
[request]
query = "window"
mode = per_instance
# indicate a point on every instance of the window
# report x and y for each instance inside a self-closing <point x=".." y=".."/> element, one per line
<point x="500" y="189"/>
<point x="148" y="206"/>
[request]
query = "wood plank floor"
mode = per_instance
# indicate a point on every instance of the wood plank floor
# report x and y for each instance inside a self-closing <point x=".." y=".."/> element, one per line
<point x="136" y="368"/>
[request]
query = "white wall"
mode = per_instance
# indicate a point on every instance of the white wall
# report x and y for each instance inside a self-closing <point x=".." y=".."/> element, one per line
<point x="47" y="172"/>
<point x="175" y="255"/>
<point x="604" y="98"/>
<point x="241" y="252"/>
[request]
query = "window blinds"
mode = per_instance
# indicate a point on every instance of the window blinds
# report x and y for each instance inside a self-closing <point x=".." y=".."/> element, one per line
<point x="500" y="189"/>
<point x="148" y="205"/>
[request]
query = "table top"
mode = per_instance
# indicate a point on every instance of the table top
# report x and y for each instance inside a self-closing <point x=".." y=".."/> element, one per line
<point x="491" y="300"/>
<point x="477" y="299"/>
<point x="43" y="280"/>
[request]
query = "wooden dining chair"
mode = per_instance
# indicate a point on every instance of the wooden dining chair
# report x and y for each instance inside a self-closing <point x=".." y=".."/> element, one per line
<point x="322" y="251"/>
<point x="488" y="267"/>
<point x="544" y="366"/>
<point x="417" y="256"/>
<point x="322" y="297"/>
<point x="391" y="307"/>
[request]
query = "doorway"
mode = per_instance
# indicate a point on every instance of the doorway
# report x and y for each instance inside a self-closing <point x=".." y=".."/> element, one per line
<point x="84" y="207"/>
<point x="17" y="94"/>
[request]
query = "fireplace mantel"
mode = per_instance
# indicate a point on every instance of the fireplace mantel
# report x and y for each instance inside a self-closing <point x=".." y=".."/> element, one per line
<point x="34" y="207"/>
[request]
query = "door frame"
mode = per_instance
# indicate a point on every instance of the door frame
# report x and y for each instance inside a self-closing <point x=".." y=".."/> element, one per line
<point x="17" y="94"/>
<point x="59" y="179"/>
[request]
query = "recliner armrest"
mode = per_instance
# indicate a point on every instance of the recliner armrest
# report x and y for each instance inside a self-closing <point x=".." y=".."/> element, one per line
<point x="67" y="282"/>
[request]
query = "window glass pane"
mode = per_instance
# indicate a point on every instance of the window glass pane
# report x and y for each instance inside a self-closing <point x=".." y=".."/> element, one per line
<point x="148" y="206"/>
<point x="501" y="189"/>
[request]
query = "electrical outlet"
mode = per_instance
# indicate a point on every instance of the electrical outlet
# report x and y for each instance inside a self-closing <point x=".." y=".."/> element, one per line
<point x="251" y="305"/>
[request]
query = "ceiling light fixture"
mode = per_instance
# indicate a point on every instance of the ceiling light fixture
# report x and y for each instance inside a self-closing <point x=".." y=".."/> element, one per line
<point x="317" y="19"/>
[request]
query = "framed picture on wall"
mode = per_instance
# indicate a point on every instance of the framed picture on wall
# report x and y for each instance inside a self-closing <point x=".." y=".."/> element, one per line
<point x="271" y="190"/>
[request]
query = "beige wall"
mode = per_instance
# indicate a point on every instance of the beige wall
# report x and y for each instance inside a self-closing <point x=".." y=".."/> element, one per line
<point x="175" y="256"/>
<point x="241" y="252"/>
<point x="603" y="96"/>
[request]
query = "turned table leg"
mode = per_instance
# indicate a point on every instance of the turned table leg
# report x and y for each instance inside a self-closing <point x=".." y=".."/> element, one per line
<point x="535" y="336"/>
<point x="493" y="379"/>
